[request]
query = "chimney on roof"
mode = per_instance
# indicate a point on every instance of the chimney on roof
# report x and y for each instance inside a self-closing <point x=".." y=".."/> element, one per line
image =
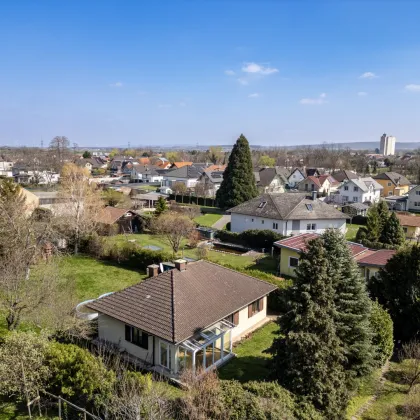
<point x="152" y="270"/>
<point x="180" y="265"/>
<point x="314" y="195"/>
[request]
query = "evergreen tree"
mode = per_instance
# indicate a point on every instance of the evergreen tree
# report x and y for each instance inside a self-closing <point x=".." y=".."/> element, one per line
<point x="308" y="356"/>
<point x="373" y="224"/>
<point x="161" y="206"/>
<point x="383" y="214"/>
<point x="87" y="154"/>
<point x="238" y="183"/>
<point x="393" y="233"/>
<point x="397" y="288"/>
<point x="352" y="305"/>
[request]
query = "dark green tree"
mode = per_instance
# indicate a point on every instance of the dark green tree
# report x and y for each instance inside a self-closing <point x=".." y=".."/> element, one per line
<point x="308" y="357"/>
<point x="161" y="206"/>
<point x="383" y="214"/>
<point x="373" y="224"/>
<point x="383" y="336"/>
<point x="392" y="232"/>
<point x="352" y="306"/>
<point x="238" y="183"/>
<point x="87" y="154"/>
<point x="397" y="288"/>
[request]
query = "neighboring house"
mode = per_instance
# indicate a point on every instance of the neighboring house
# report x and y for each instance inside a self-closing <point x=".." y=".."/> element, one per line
<point x="299" y="174"/>
<point x="144" y="161"/>
<point x="162" y="163"/>
<point x="411" y="225"/>
<point x="26" y="174"/>
<point x="268" y="180"/>
<point x="177" y="165"/>
<point x="188" y="175"/>
<point x="184" y="318"/>
<point x="397" y="203"/>
<point x="345" y="175"/>
<point x="283" y="173"/>
<point x="323" y="184"/>
<point x="6" y="168"/>
<point x="393" y="183"/>
<point x="370" y="261"/>
<point x="145" y="173"/>
<point x="413" y="202"/>
<point x="148" y="200"/>
<point x="211" y="181"/>
<point x="287" y="214"/>
<point x="93" y="163"/>
<point x="355" y="209"/>
<point x="361" y="190"/>
<point x="114" y="220"/>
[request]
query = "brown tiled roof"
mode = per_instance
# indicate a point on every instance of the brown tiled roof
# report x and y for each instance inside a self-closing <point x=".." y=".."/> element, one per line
<point x="109" y="215"/>
<point x="378" y="258"/>
<point x="394" y="177"/>
<point x="343" y="175"/>
<point x="176" y="304"/>
<point x="299" y="243"/>
<point x="181" y="164"/>
<point x="407" y="220"/>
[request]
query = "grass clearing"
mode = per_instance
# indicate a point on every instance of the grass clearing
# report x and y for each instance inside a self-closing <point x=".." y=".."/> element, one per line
<point x="251" y="363"/>
<point x="352" y="231"/>
<point x="208" y="219"/>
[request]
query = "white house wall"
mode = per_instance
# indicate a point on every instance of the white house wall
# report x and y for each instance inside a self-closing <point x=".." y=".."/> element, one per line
<point x="413" y="199"/>
<point x="295" y="178"/>
<point x="246" y="323"/>
<point x="241" y="222"/>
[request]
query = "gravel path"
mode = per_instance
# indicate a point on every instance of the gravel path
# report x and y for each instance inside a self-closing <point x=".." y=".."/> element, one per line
<point x="221" y="223"/>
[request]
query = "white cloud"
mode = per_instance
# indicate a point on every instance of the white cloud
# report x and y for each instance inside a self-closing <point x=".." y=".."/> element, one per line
<point x="116" y="84"/>
<point x="243" y="81"/>
<point x="314" y="101"/>
<point x="164" y="106"/>
<point x="412" y="88"/>
<point x="230" y="73"/>
<point x="361" y="94"/>
<point x="254" y="95"/>
<point x="255" y="68"/>
<point x="368" y="75"/>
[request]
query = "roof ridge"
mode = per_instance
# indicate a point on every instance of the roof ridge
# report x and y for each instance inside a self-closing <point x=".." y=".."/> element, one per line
<point x="173" y="305"/>
<point x="287" y="215"/>
<point x="239" y="272"/>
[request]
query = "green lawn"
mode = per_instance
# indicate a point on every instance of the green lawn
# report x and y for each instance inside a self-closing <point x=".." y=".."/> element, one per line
<point x="251" y="363"/>
<point x="94" y="277"/>
<point x="208" y="219"/>
<point x="351" y="231"/>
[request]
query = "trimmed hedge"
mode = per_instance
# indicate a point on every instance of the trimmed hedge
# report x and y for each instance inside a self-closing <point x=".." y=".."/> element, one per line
<point x="253" y="238"/>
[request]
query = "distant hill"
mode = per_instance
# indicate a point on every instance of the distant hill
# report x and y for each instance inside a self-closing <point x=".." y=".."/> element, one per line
<point x="360" y="145"/>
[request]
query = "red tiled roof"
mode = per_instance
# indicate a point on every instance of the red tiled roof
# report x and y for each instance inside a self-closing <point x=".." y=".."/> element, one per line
<point x="407" y="220"/>
<point x="299" y="242"/>
<point x="315" y="180"/>
<point x="378" y="258"/>
<point x="323" y="178"/>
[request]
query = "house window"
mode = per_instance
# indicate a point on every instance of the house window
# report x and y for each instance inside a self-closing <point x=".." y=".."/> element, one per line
<point x="346" y="188"/>
<point x="233" y="318"/>
<point x="356" y="189"/>
<point x="293" y="262"/>
<point x="137" y="337"/>
<point x="165" y="355"/>
<point x="262" y="222"/>
<point x="275" y="225"/>
<point x="311" y="226"/>
<point x="418" y="192"/>
<point x="255" y="307"/>
<point x="252" y="220"/>
<point x="306" y="187"/>
<point x="390" y="193"/>
<point x="309" y="207"/>
<point x="355" y="199"/>
<point x="389" y="184"/>
<point x="416" y="204"/>
<point x="405" y="230"/>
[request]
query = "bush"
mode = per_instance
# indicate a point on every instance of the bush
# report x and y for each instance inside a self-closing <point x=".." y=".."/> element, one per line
<point x="228" y="225"/>
<point x="253" y="238"/>
<point x="359" y="220"/>
<point x="376" y="245"/>
<point x="383" y="336"/>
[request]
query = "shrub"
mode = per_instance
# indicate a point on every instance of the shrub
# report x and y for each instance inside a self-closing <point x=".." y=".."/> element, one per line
<point x="359" y="220"/>
<point x="228" y="225"/>
<point x="252" y="238"/>
<point x="383" y="336"/>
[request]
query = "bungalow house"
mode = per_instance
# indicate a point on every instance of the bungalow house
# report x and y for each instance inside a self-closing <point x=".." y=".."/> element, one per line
<point x="345" y="175"/>
<point x="287" y="214"/>
<point x="299" y="174"/>
<point x="183" y="318"/>
<point x="392" y="183"/>
<point x="145" y="173"/>
<point x="413" y="202"/>
<point x="411" y="225"/>
<point x="187" y="174"/>
<point x="211" y="180"/>
<point x="323" y="184"/>
<point x="360" y="190"/>
<point x="114" y="220"/>
<point x="268" y="180"/>
<point x="369" y="261"/>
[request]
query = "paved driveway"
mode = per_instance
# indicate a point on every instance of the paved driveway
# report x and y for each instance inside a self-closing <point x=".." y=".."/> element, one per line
<point x="221" y="223"/>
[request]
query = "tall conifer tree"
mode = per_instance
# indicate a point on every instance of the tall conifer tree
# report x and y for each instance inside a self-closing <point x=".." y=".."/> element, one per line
<point x="393" y="233"/>
<point x="238" y="183"/>
<point x="308" y="357"/>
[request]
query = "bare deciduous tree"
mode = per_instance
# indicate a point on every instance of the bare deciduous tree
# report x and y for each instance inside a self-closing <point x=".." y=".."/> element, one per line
<point x="173" y="228"/>
<point x="410" y="353"/>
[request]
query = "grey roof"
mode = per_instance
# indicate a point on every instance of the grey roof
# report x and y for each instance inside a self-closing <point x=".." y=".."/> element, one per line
<point x="283" y="172"/>
<point x="175" y="305"/>
<point x="364" y="183"/>
<point x="357" y="206"/>
<point x="266" y="176"/>
<point x="343" y="175"/>
<point x="288" y="206"/>
<point x="190" y="171"/>
<point x="396" y="178"/>
<point x="145" y="169"/>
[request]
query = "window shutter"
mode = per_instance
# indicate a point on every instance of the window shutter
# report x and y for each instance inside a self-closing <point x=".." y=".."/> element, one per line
<point x="261" y="305"/>
<point x="249" y="310"/>
<point x="236" y="318"/>
<point x="128" y="333"/>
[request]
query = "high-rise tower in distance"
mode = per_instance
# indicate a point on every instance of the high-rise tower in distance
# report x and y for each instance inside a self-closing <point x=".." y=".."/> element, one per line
<point x="387" y="145"/>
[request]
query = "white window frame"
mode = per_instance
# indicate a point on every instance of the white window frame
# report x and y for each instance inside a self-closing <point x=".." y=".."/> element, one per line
<point x="346" y="188"/>
<point x="168" y="354"/>
<point x="355" y="189"/>
<point x="293" y="266"/>
<point x="275" y="225"/>
<point x="355" y="199"/>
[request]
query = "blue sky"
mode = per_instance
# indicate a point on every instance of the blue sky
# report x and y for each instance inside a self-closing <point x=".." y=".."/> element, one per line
<point x="188" y="72"/>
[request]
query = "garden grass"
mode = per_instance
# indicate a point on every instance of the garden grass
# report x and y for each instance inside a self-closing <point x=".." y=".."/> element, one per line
<point x="352" y="231"/>
<point x="208" y="219"/>
<point x="251" y="363"/>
